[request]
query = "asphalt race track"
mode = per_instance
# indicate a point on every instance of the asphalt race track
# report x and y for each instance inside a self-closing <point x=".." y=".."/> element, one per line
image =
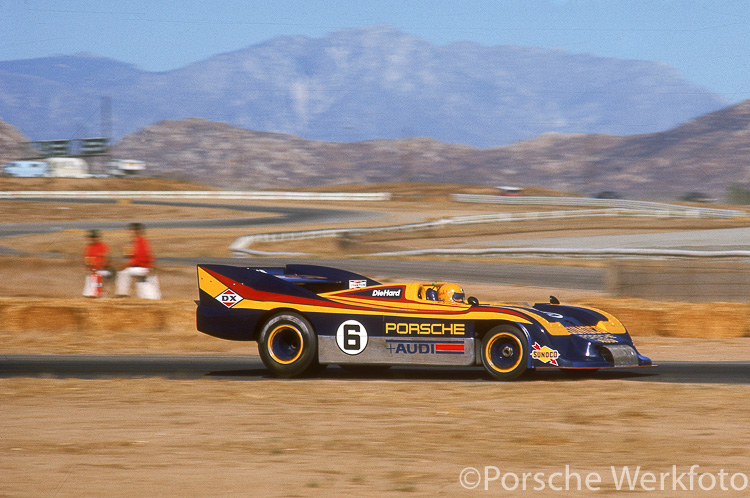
<point x="516" y="274"/>
<point x="241" y="368"/>
<point x="279" y="216"/>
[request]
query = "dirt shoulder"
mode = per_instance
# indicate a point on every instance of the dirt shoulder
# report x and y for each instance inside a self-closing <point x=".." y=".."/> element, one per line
<point x="344" y="436"/>
<point x="662" y="331"/>
<point x="360" y="437"/>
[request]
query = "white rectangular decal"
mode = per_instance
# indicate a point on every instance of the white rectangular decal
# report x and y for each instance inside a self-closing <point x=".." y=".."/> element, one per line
<point x="357" y="284"/>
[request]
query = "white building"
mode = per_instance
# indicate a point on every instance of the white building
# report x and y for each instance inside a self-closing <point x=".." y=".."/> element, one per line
<point x="68" y="167"/>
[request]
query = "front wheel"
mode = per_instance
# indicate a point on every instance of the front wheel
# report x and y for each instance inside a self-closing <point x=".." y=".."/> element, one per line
<point x="287" y="345"/>
<point x="505" y="352"/>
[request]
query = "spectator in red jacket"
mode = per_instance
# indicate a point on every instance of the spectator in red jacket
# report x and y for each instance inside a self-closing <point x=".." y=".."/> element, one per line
<point x="140" y="266"/>
<point x="96" y="258"/>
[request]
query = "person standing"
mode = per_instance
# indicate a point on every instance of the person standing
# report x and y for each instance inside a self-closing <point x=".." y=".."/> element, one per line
<point x="139" y="267"/>
<point x="96" y="258"/>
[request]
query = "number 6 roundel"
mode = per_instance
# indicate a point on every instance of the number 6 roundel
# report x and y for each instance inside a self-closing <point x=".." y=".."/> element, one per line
<point x="351" y="337"/>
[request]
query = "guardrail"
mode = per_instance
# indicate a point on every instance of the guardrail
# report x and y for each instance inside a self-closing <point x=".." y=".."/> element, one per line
<point x="699" y="212"/>
<point x="609" y="207"/>
<point x="197" y="194"/>
<point x="241" y="244"/>
<point x="571" y="252"/>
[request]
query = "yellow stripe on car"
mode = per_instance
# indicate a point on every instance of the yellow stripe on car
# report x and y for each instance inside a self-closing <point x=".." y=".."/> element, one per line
<point x="209" y="284"/>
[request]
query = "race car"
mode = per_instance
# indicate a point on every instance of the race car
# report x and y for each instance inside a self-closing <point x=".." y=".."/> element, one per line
<point x="306" y="316"/>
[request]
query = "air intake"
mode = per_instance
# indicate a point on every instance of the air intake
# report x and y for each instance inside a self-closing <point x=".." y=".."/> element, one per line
<point x="620" y="355"/>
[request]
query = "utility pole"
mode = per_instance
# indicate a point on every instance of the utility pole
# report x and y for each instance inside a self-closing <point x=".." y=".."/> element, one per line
<point x="106" y="110"/>
<point x="106" y="117"/>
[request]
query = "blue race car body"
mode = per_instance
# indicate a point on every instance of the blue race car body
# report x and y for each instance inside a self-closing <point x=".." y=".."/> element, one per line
<point x="305" y="315"/>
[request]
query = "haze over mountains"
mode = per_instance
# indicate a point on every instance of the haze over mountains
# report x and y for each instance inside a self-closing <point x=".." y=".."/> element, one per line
<point x="358" y="85"/>
<point x="377" y="105"/>
<point x="707" y="154"/>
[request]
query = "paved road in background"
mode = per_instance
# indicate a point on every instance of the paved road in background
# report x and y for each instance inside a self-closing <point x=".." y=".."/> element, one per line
<point x="277" y="216"/>
<point x="463" y="272"/>
<point x="719" y="239"/>
<point x="251" y="369"/>
<point x="512" y="274"/>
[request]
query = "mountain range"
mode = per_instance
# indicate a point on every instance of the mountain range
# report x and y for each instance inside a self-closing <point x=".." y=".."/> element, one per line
<point x="707" y="154"/>
<point x="354" y="86"/>
<point x="710" y="154"/>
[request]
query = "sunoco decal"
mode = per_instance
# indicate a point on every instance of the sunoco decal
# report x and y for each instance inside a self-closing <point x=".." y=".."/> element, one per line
<point x="410" y="347"/>
<point x="545" y="354"/>
<point x="229" y="298"/>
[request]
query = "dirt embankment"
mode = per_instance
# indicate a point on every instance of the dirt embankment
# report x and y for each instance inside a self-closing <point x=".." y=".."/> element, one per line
<point x="676" y="319"/>
<point x="108" y="326"/>
<point x="132" y="326"/>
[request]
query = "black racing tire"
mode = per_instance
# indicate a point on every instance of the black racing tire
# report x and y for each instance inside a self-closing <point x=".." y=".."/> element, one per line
<point x="288" y="345"/>
<point x="505" y="352"/>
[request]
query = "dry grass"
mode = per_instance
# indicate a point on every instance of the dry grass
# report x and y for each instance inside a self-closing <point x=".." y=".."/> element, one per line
<point x="412" y="203"/>
<point x="131" y="183"/>
<point x="124" y="210"/>
<point x="50" y="286"/>
<point x="675" y="319"/>
<point x="332" y="437"/>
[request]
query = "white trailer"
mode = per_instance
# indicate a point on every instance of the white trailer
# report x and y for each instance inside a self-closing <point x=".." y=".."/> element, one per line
<point x="68" y="167"/>
<point x="27" y="169"/>
<point x="126" y="167"/>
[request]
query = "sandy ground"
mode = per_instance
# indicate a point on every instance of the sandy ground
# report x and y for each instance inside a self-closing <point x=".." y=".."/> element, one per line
<point x="346" y="436"/>
<point x="350" y="436"/>
<point x="359" y="437"/>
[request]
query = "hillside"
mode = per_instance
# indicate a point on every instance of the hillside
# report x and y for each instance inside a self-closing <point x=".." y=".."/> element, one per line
<point x="706" y="154"/>
<point x="358" y="85"/>
<point x="12" y="143"/>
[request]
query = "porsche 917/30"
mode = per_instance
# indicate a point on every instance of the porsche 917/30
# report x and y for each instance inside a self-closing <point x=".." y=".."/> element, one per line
<point x="305" y="316"/>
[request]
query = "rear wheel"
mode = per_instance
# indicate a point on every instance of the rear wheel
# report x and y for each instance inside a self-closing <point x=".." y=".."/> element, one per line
<point x="287" y="345"/>
<point x="505" y="352"/>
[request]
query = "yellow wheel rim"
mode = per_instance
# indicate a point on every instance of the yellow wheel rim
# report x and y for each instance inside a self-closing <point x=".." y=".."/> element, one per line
<point x="504" y="352"/>
<point x="285" y="344"/>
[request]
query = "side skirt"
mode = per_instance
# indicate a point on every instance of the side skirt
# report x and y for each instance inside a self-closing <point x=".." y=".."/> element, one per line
<point x="400" y="351"/>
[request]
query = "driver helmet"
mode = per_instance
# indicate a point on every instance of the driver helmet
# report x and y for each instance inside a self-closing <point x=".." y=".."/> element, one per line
<point x="450" y="293"/>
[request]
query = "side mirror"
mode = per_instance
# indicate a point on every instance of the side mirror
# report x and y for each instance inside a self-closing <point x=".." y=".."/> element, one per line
<point x="473" y="301"/>
<point x="554" y="300"/>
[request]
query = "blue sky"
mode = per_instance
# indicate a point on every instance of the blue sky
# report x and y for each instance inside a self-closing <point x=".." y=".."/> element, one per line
<point x="708" y="41"/>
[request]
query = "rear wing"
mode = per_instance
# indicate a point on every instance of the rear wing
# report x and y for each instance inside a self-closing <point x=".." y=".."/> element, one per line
<point x="294" y="280"/>
<point x="348" y="279"/>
